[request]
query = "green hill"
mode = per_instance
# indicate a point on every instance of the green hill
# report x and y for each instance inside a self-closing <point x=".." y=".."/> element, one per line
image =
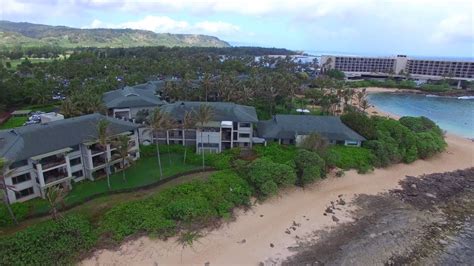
<point x="23" y="34"/>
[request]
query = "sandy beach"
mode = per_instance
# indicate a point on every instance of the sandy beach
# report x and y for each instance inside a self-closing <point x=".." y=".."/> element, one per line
<point x="259" y="234"/>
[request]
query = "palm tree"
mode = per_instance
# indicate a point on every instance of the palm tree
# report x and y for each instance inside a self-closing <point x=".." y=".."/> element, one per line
<point x="4" y="172"/>
<point x="155" y="125"/>
<point x="69" y="109"/>
<point x="121" y="143"/>
<point x="189" y="122"/>
<point x="103" y="141"/>
<point x="55" y="195"/>
<point x="167" y="125"/>
<point x="364" y="105"/>
<point x="203" y="116"/>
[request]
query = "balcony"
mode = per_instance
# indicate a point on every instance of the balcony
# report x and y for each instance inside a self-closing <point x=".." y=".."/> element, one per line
<point x="55" y="175"/>
<point x="96" y="149"/>
<point x="52" y="161"/>
<point x="98" y="161"/>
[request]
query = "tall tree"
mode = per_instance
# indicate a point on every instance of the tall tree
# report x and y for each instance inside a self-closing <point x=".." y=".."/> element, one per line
<point x="122" y="144"/>
<point x="5" y="172"/>
<point x="155" y="125"/>
<point x="203" y="116"/>
<point x="103" y="136"/>
<point x="189" y="122"/>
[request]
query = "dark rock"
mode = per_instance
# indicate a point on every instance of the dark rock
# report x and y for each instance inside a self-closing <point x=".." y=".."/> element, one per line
<point x="271" y="245"/>
<point x="335" y="219"/>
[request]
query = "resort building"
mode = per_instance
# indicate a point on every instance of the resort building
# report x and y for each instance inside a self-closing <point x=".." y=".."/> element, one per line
<point x="400" y="65"/>
<point x="58" y="152"/>
<point x="125" y="103"/>
<point x="292" y="129"/>
<point x="231" y="126"/>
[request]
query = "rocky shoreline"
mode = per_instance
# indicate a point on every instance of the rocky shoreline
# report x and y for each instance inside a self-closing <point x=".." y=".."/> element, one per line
<point x="427" y="221"/>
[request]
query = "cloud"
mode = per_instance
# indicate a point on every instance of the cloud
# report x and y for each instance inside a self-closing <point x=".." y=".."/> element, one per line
<point x="457" y="28"/>
<point x="164" y="24"/>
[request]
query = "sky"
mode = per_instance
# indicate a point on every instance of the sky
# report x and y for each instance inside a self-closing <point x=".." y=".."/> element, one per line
<point x="363" y="27"/>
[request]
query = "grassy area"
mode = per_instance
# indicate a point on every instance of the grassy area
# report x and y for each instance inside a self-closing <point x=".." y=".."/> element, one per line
<point x="144" y="172"/>
<point x="14" y="63"/>
<point x="14" y="121"/>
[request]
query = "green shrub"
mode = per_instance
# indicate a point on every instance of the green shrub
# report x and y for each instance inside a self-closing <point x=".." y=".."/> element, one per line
<point x="48" y="242"/>
<point x="190" y="203"/>
<point x="263" y="170"/>
<point x="361" y="124"/>
<point x="277" y="153"/>
<point x="352" y="157"/>
<point x="268" y="188"/>
<point x="309" y="167"/>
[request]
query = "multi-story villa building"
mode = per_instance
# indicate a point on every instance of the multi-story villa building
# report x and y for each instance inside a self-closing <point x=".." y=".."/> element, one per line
<point x="401" y="65"/>
<point x="231" y="126"/>
<point x="125" y="103"/>
<point x="59" y="152"/>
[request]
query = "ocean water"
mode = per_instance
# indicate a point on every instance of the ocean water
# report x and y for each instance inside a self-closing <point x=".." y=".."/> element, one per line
<point x="451" y="114"/>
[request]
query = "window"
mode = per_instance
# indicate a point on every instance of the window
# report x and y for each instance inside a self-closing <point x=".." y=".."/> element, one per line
<point x="352" y="143"/>
<point x="19" y="164"/>
<point x="78" y="174"/>
<point x="244" y="135"/>
<point x="244" y="124"/>
<point x="75" y="161"/>
<point x="23" y="193"/>
<point x="21" y="178"/>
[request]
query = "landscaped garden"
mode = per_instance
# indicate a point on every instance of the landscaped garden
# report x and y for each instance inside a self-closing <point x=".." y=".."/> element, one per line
<point x="144" y="172"/>
<point x="185" y="208"/>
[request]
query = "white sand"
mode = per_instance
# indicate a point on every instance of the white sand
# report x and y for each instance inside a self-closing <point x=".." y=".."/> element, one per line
<point x="222" y="246"/>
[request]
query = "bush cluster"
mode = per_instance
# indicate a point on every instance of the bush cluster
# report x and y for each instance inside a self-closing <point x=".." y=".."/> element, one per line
<point x="392" y="141"/>
<point x="266" y="176"/>
<point x="50" y="242"/>
<point x="309" y="167"/>
<point x="196" y="202"/>
<point x="351" y="158"/>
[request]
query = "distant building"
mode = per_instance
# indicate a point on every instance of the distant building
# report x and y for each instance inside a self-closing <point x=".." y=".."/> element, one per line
<point x="231" y="126"/>
<point x="125" y="103"/>
<point x="292" y="129"/>
<point x="58" y="152"/>
<point x="400" y="65"/>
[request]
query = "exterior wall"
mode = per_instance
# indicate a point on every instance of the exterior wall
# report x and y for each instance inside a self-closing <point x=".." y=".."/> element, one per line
<point x="215" y="140"/>
<point x="37" y="170"/>
<point x="429" y="69"/>
<point x="452" y="69"/>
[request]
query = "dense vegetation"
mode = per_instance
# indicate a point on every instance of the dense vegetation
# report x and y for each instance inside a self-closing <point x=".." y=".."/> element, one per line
<point x="50" y="242"/>
<point x="392" y="141"/>
<point x="24" y="34"/>
<point x="203" y="75"/>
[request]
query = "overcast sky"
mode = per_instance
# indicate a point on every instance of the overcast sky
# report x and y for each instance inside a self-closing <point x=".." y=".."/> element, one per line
<point x="377" y="27"/>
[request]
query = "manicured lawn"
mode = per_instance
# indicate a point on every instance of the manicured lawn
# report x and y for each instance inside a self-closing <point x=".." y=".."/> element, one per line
<point x="14" y="121"/>
<point x="144" y="172"/>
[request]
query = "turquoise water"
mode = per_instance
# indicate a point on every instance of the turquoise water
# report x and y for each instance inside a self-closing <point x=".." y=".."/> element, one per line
<point x="451" y="114"/>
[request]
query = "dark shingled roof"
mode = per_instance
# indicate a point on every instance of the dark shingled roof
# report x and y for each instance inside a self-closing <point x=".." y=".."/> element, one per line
<point x="223" y="111"/>
<point x="143" y="95"/>
<point x="287" y="126"/>
<point x="32" y="140"/>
